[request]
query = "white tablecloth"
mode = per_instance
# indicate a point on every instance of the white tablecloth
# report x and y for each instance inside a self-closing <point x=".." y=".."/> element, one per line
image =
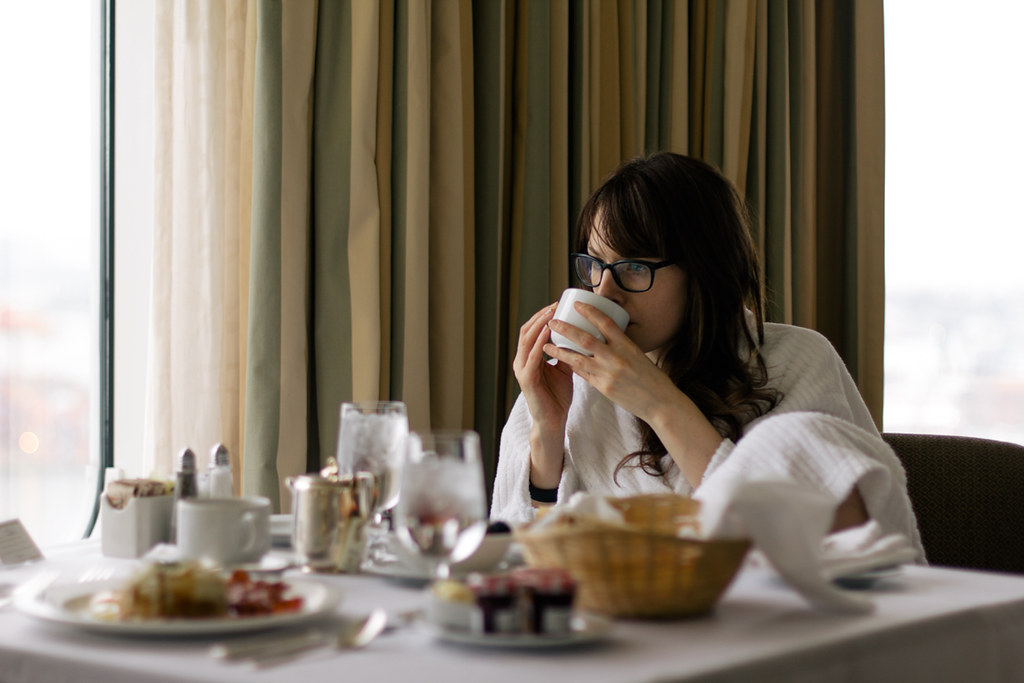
<point x="931" y="624"/>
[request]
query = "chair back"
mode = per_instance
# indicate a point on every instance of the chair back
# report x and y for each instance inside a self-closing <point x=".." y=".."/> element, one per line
<point x="968" y="496"/>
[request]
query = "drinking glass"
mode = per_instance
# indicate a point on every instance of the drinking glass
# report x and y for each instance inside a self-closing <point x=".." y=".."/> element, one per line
<point x="441" y="514"/>
<point x="371" y="439"/>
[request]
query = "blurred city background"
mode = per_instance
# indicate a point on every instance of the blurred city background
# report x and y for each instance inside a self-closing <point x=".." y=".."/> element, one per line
<point x="49" y="272"/>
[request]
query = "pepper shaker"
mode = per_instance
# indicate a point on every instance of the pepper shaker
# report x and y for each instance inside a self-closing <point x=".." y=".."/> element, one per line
<point x="185" y="487"/>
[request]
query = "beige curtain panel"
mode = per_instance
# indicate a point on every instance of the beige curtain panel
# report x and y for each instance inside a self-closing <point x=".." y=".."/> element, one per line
<point x="203" y="144"/>
<point x="412" y="171"/>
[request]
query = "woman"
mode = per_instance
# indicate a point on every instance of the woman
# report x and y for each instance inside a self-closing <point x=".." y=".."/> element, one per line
<point x="695" y="376"/>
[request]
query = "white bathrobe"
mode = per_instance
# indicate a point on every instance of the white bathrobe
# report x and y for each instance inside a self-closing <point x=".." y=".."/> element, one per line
<point x="820" y="434"/>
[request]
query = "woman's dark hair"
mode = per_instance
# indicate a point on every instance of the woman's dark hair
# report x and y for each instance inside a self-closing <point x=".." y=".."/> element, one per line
<point x="681" y="209"/>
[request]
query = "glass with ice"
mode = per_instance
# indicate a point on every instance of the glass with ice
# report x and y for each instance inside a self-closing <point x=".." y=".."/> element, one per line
<point x="371" y="439"/>
<point x="441" y="514"/>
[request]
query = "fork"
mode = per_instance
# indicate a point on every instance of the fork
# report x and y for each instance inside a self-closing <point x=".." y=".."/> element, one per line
<point x="96" y="574"/>
<point x="401" y="619"/>
<point x="267" y="650"/>
<point x="275" y="644"/>
<point x="92" y="574"/>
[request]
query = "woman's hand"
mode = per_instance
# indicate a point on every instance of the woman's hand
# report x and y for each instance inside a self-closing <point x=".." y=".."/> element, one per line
<point x="617" y="368"/>
<point x="621" y="371"/>
<point x="548" y="392"/>
<point x="851" y="512"/>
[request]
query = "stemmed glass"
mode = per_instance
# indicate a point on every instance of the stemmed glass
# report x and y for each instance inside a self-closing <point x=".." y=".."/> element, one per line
<point x="371" y="439"/>
<point x="442" y="514"/>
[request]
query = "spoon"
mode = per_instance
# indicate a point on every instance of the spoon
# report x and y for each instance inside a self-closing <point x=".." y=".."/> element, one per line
<point x="358" y="635"/>
<point x="371" y="628"/>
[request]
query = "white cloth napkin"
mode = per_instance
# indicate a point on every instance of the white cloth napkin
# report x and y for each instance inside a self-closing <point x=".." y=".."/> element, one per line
<point x="788" y="523"/>
<point x="863" y="548"/>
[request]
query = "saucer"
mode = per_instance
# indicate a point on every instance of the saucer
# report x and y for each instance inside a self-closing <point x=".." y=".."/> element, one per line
<point x="868" y="578"/>
<point x="492" y="552"/>
<point x="281" y="531"/>
<point x="268" y="564"/>
<point x="586" y="628"/>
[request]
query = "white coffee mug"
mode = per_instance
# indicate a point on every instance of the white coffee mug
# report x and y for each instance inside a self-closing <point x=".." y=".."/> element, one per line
<point x="228" y="531"/>
<point x="567" y="312"/>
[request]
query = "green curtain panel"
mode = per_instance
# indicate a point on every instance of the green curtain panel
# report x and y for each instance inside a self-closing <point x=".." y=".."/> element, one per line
<point x="417" y="167"/>
<point x="263" y="387"/>
<point x="278" y="403"/>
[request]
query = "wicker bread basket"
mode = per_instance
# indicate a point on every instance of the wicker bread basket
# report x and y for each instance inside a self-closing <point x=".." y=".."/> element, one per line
<point x="640" y="569"/>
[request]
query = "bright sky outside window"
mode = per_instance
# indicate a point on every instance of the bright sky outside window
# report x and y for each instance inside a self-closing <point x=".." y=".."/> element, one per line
<point x="49" y="282"/>
<point x="954" y="228"/>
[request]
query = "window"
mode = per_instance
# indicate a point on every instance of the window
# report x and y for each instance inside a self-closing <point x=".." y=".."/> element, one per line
<point x="133" y="179"/>
<point x="954" y="228"/>
<point x="50" y="266"/>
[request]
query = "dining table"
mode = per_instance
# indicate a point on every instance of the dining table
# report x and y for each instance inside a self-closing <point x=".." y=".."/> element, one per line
<point x="928" y="624"/>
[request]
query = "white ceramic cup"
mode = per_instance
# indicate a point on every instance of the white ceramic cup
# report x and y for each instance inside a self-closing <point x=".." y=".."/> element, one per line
<point x="228" y="531"/>
<point x="567" y="312"/>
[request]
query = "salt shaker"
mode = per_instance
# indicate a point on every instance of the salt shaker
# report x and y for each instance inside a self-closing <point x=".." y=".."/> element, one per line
<point x="186" y="486"/>
<point x="220" y="483"/>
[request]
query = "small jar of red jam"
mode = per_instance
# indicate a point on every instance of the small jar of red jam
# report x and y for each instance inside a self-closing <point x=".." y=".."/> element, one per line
<point x="551" y="593"/>
<point x="497" y="598"/>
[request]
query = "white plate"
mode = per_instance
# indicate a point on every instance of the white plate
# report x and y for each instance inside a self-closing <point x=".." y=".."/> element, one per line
<point x="68" y="605"/>
<point x="868" y="578"/>
<point x="586" y="628"/>
<point x="281" y="530"/>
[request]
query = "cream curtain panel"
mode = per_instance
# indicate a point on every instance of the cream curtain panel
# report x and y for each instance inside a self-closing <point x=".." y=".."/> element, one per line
<point x="413" y="169"/>
<point x="203" y="123"/>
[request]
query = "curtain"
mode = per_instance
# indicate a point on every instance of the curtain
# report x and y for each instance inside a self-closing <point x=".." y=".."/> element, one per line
<point x="380" y="292"/>
<point x="203" y="127"/>
<point x="814" y="168"/>
<point x="416" y="168"/>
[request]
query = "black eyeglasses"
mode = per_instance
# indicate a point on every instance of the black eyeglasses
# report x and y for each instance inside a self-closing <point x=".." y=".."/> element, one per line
<point x="630" y="275"/>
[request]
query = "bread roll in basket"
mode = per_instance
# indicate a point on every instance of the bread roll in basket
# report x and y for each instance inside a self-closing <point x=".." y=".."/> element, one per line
<point x="642" y="568"/>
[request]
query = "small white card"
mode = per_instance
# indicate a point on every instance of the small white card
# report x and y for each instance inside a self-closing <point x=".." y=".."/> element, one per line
<point x="16" y="546"/>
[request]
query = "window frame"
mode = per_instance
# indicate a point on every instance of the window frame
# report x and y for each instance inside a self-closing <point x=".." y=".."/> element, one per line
<point x="106" y="254"/>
